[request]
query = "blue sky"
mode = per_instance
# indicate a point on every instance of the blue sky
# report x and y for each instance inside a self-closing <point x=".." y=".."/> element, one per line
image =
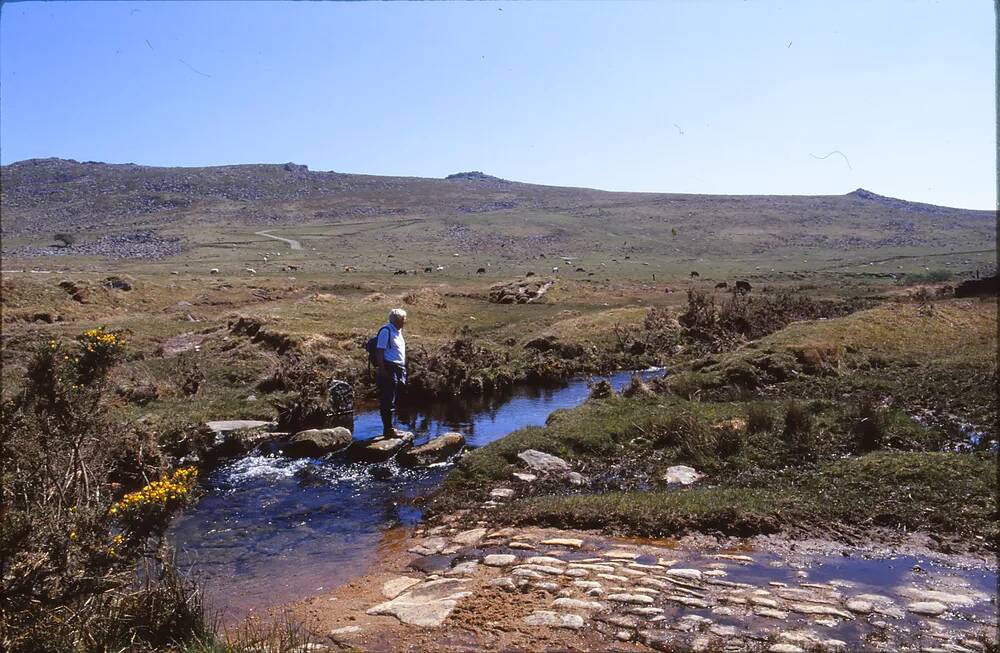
<point x="709" y="97"/>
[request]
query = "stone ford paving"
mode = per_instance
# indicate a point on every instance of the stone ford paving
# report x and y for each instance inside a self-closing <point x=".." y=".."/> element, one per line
<point x="674" y="600"/>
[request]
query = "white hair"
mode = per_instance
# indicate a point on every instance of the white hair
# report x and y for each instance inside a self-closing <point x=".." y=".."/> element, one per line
<point x="397" y="313"/>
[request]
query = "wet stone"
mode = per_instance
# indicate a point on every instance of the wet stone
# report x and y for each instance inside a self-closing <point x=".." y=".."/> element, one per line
<point x="771" y="613"/>
<point x="429" y="546"/>
<point x="619" y="554"/>
<point x="431" y="564"/>
<point x="692" y="574"/>
<point x="927" y="608"/>
<point x="577" y="604"/>
<point x="544" y="560"/>
<point x="785" y="648"/>
<point x="638" y="599"/>
<point x="470" y="537"/>
<point x="572" y="543"/>
<point x="396" y="586"/>
<point x="499" y="560"/>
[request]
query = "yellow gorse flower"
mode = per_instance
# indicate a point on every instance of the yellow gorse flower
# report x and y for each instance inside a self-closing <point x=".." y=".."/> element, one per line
<point x="172" y="488"/>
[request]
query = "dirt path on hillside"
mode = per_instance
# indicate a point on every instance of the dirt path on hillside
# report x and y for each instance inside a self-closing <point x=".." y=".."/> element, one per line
<point x="446" y="589"/>
<point x="294" y="244"/>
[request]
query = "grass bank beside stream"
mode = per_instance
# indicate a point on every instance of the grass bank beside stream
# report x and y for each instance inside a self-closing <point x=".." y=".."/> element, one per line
<point x="812" y="430"/>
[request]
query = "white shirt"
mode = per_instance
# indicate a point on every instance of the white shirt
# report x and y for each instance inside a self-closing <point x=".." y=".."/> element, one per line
<point x="391" y="340"/>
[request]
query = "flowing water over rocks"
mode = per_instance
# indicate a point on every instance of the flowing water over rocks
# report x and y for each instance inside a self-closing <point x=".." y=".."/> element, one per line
<point x="272" y="529"/>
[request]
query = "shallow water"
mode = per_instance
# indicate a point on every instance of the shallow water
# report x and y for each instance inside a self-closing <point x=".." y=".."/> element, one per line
<point x="271" y="529"/>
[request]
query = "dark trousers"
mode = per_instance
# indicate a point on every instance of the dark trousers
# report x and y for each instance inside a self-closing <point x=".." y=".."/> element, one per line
<point x="389" y="386"/>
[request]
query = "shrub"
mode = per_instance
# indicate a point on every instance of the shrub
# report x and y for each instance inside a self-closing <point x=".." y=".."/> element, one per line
<point x="78" y="514"/>
<point x="760" y="418"/>
<point x="68" y="240"/>
<point x="798" y="433"/>
<point x="694" y="439"/>
<point x="868" y="424"/>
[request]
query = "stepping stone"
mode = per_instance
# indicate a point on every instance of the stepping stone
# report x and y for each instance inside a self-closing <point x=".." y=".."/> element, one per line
<point x="861" y="607"/>
<point x="765" y="602"/>
<point x="544" y="560"/>
<point x="927" y="608"/>
<point x="617" y="579"/>
<point x="577" y="604"/>
<point x="587" y="584"/>
<point x="435" y="450"/>
<point x="735" y="558"/>
<point x="689" y="601"/>
<point x="429" y="546"/>
<point x="470" y="537"/>
<point x="576" y="573"/>
<point x="466" y="568"/>
<point x="499" y="560"/>
<point x="647" y="611"/>
<point x="815" y="608"/>
<point x="619" y="554"/>
<point x="771" y="613"/>
<point x="692" y="574"/>
<point x="380" y="449"/>
<point x="547" y="586"/>
<point x="554" y="619"/>
<point x="606" y="569"/>
<point x="427" y="604"/>
<point x="521" y="545"/>
<point x="638" y="599"/>
<point x="396" y="586"/>
<point x="785" y="648"/>
<point x="572" y="543"/>
<point x="504" y="582"/>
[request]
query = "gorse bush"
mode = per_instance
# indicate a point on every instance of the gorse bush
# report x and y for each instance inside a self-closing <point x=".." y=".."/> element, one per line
<point x="82" y="507"/>
<point x="760" y="417"/>
<point x="798" y="433"/>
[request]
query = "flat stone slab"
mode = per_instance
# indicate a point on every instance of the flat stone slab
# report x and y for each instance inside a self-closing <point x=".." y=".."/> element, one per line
<point x="554" y="619"/>
<point x="227" y="425"/>
<point x="396" y="586"/>
<point x="427" y="604"/>
<point x="927" y="608"/>
<point x="499" y="560"/>
<point x="570" y="542"/>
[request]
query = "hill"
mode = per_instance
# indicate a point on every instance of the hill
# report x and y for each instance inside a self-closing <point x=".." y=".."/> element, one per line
<point x="423" y="220"/>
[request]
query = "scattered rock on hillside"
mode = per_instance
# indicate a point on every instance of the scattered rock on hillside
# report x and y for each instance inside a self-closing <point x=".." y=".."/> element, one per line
<point x="544" y="462"/>
<point x="682" y="475"/>
<point x="520" y="291"/>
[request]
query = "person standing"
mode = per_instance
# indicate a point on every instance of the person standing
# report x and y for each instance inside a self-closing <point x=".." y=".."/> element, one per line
<point x="390" y="360"/>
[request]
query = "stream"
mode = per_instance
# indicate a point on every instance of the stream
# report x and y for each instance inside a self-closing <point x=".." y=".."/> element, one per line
<point x="271" y="529"/>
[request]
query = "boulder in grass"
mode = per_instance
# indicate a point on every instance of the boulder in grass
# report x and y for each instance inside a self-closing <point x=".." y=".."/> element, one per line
<point x="380" y="449"/>
<point x="545" y="463"/>
<point x="317" y="442"/>
<point x="682" y="475"/>
<point x="436" y="450"/>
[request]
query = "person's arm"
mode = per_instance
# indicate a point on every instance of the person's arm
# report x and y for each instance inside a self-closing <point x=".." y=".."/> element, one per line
<point x="381" y="344"/>
<point x="380" y="360"/>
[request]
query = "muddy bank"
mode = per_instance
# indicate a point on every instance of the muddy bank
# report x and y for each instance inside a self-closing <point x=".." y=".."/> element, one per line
<point x="449" y="589"/>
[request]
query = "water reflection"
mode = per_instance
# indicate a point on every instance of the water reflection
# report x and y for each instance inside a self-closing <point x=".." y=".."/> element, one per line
<point x="271" y="529"/>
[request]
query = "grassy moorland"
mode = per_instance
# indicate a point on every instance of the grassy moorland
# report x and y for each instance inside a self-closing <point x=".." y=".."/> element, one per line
<point x="831" y="399"/>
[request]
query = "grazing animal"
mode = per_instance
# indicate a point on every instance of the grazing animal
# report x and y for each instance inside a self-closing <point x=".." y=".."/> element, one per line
<point x="403" y="272"/>
<point x="428" y="269"/>
<point x="580" y="270"/>
<point x="529" y="274"/>
<point x="481" y="271"/>
<point x="439" y="268"/>
<point x="250" y="270"/>
<point x="214" y="271"/>
<point x="721" y="284"/>
<point x="555" y="269"/>
<point x="350" y="268"/>
<point x="743" y="287"/>
<point x="694" y="275"/>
